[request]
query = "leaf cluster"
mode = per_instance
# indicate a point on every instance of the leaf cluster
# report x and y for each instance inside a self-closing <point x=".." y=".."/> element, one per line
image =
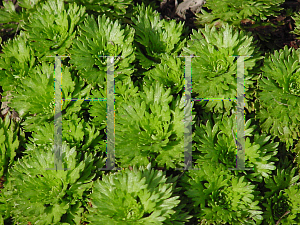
<point x="234" y="12"/>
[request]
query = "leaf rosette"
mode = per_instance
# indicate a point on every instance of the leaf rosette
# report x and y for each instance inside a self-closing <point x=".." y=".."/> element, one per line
<point x="143" y="196"/>
<point x="283" y="198"/>
<point x="99" y="40"/>
<point x="148" y="124"/>
<point x="217" y="144"/>
<point x="11" y="136"/>
<point x="215" y="66"/>
<point x="43" y="196"/>
<point x="296" y="19"/>
<point x="234" y="12"/>
<point x="115" y="9"/>
<point x="76" y="131"/>
<point x="154" y="37"/>
<point x="16" y="61"/>
<point x="149" y="128"/>
<point x="98" y="110"/>
<point x="220" y="197"/>
<point x="170" y="72"/>
<point x="34" y="99"/>
<point x="51" y="28"/>
<point x="13" y="19"/>
<point x="280" y="95"/>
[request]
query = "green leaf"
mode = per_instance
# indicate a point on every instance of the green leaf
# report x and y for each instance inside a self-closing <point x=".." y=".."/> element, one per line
<point x="94" y="42"/>
<point x="279" y="82"/>
<point x="155" y="37"/>
<point x="51" y="28"/>
<point x="215" y="68"/>
<point x="55" y="194"/>
<point x="132" y="197"/>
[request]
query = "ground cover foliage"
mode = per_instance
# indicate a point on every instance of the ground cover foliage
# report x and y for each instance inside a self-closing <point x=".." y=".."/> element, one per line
<point x="149" y="113"/>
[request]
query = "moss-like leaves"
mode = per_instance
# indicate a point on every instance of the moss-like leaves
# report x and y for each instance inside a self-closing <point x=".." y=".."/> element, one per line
<point x="155" y="37"/>
<point x="215" y="67"/>
<point x="219" y="197"/>
<point x="217" y="144"/>
<point x="97" y="41"/>
<point x="51" y="28"/>
<point x="280" y="95"/>
<point x="43" y="196"/>
<point x="143" y="196"/>
<point x="233" y="12"/>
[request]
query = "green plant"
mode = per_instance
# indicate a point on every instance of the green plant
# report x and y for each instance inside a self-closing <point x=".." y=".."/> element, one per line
<point x="296" y="18"/>
<point x="170" y="72"/>
<point x="219" y="197"/>
<point x="16" y="61"/>
<point x="34" y="96"/>
<point x="76" y="132"/>
<point x="150" y="115"/>
<point x="51" y="28"/>
<point x="215" y="68"/>
<point x="234" y="12"/>
<point x="143" y="196"/>
<point x="3" y="209"/>
<point x="153" y="127"/>
<point x="98" y="40"/>
<point x="123" y="93"/>
<point x="11" y="136"/>
<point x="154" y="37"/>
<point x="280" y="95"/>
<point x="13" y="20"/>
<point x="42" y="196"/>
<point x="115" y="9"/>
<point x="283" y="198"/>
<point x="218" y="144"/>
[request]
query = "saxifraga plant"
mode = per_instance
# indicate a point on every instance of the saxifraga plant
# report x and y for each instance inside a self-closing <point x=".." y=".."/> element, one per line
<point x="41" y="196"/>
<point x="214" y="70"/>
<point x="296" y="18"/>
<point x="115" y="9"/>
<point x="218" y="197"/>
<point x="233" y="12"/>
<point x="51" y="29"/>
<point x="217" y="144"/>
<point x="11" y="136"/>
<point x="98" y="110"/>
<point x="170" y="72"/>
<point x="13" y="20"/>
<point x="153" y="125"/>
<point x="137" y="196"/>
<point x="34" y="100"/>
<point x="75" y="131"/>
<point x="16" y="61"/>
<point x="154" y="37"/>
<point x="98" y="39"/>
<point x="148" y="125"/>
<point x="279" y="95"/>
<point x="282" y="200"/>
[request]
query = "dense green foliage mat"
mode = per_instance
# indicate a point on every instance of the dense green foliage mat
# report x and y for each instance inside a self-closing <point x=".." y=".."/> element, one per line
<point x="150" y="89"/>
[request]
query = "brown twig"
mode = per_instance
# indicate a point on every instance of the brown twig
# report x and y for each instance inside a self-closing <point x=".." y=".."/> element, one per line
<point x="277" y="223"/>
